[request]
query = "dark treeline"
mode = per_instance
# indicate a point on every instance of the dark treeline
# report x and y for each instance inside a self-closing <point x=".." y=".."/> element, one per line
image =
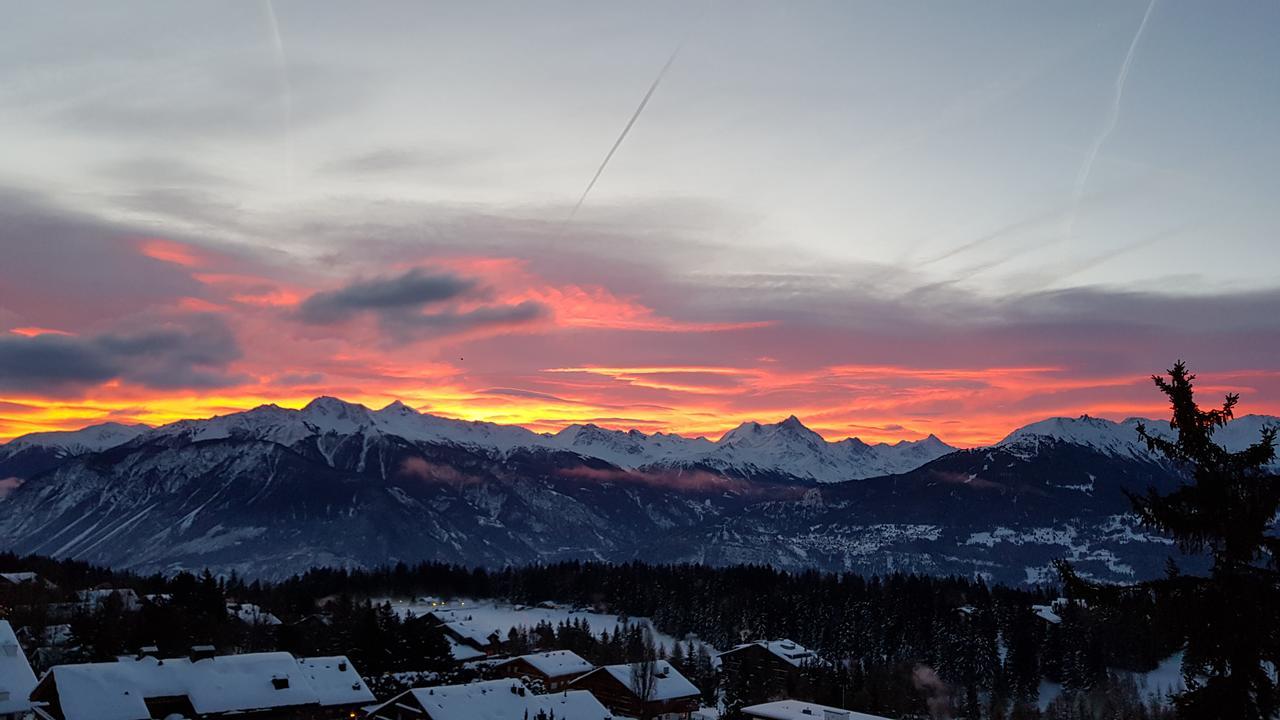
<point x="986" y="643"/>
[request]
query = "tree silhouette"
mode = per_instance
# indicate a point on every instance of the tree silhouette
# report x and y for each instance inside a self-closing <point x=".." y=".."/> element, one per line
<point x="1226" y="507"/>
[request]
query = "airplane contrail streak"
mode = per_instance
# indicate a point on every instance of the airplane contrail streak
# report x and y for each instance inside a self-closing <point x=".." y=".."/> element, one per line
<point x="623" y="135"/>
<point x="1113" y="117"/>
<point x="286" y="91"/>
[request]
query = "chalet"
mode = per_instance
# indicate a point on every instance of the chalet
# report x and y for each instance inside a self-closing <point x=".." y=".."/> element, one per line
<point x="775" y="662"/>
<point x="489" y="700"/>
<point x="797" y="710"/>
<point x="463" y="653"/>
<point x="274" y="685"/>
<point x="15" y="579"/>
<point x="621" y="688"/>
<point x="16" y="678"/>
<point x="96" y="598"/>
<point x="553" y="670"/>
<point x="464" y="632"/>
<point x="251" y="614"/>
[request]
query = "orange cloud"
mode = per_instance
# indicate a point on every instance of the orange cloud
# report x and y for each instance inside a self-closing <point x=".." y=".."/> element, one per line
<point x="597" y="308"/>
<point x="34" y="331"/>
<point x="170" y="252"/>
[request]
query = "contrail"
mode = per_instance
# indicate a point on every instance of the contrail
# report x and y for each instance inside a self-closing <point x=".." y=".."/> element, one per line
<point x="623" y="135"/>
<point x="286" y="92"/>
<point x="1113" y="117"/>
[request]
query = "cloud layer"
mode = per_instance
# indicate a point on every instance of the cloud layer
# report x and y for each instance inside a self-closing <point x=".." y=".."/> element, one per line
<point x="498" y="319"/>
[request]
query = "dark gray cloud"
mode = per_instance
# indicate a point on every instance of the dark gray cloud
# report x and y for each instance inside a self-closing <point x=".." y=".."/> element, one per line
<point x="412" y="290"/>
<point x="416" y="305"/>
<point x="488" y="316"/>
<point x="191" y="351"/>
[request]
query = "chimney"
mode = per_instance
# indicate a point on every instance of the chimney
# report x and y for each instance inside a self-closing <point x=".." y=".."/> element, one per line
<point x="202" y="652"/>
<point x="280" y="682"/>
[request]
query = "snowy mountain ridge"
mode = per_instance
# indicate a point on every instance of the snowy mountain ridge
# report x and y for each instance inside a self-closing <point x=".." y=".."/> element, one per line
<point x="785" y="447"/>
<point x="273" y="491"/>
<point x="1121" y="439"/>
<point x="94" y="438"/>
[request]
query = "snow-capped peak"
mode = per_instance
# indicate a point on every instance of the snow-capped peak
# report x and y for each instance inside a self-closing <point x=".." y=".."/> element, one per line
<point x="1122" y="438"/>
<point x="753" y="434"/>
<point x="1106" y="436"/>
<point x="94" y="438"/>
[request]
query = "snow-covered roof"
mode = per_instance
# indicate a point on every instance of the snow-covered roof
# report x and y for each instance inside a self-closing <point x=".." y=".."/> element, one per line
<point x="335" y="681"/>
<point x="17" y="578"/>
<point x="470" y="631"/>
<point x="669" y="685"/>
<point x="252" y="614"/>
<point x="786" y="650"/>
<point x="1046" y="613"/>
<point x="461" y="652"/>
<point x="16" y="678"/>
<point x="223" y="684"/>
<point x="558" y="663"/>
<point x="499" y="700"/>
<point x="100" y="595"/>
<point x="797" y="710"/>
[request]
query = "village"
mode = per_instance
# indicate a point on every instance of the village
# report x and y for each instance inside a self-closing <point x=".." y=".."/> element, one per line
<point x="502" y="664"/>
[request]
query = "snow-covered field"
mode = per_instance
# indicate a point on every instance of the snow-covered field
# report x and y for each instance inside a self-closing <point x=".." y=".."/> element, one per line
<point x="501" y="616"/>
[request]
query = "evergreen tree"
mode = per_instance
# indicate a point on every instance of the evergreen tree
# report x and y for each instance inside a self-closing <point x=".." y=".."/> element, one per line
<point x="1226" y="508"/>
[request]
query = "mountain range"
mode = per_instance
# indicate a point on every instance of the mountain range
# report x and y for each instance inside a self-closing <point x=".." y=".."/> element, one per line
<point x="271" y="491"/>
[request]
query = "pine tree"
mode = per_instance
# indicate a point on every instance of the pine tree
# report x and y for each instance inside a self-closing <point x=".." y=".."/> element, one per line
<point x="1226" y="509"/>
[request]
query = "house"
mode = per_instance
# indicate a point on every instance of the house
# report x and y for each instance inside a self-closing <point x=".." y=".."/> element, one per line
<point x="272" y="684"/>
<point x="96" y="598"/>
<point x="251" y="614"/>
<point x="797" y="710"/>
<point x="16" y="678"/>
<point x="553" y="670"/>
<point x="25" y="578"/>
<point x="622" y="689"/>
<point x="467" y="633"/>
<point x="774" y="662"/>
<point x="489" y="700"/>
<point x="463" y="653"/>
<point x="46" y="646"/>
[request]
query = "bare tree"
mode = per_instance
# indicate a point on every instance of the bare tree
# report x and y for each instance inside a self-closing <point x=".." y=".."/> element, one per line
<point x="644" y="675"/>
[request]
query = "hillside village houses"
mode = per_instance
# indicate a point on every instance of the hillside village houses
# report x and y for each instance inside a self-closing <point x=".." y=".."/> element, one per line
<point x="489" y="700"/>
<point x="547" y="685"/>
<point x="270" y="684"/>
<point x="16" y="678"/>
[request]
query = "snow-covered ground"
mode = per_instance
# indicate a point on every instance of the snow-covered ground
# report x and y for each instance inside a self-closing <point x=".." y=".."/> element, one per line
<point x="498" y="616"/>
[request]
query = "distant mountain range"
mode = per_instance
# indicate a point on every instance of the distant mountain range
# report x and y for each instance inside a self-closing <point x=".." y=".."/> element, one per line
<point x="272" y="491"/>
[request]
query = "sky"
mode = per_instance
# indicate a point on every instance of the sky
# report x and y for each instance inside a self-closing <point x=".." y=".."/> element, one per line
<point x="889" y="219"/>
